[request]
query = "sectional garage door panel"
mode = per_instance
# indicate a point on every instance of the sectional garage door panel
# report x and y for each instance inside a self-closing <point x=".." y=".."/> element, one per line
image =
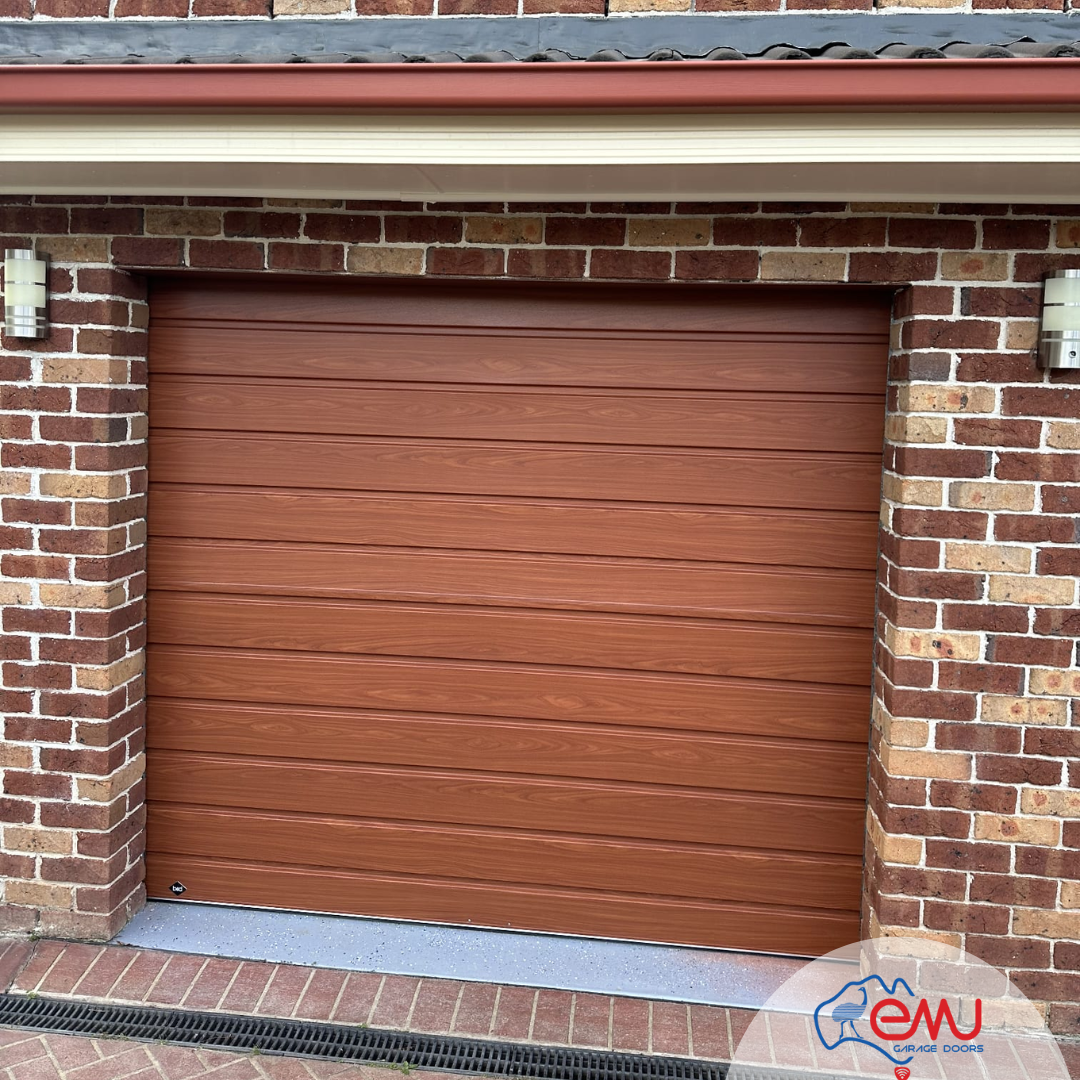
<point x="544" y="608"/>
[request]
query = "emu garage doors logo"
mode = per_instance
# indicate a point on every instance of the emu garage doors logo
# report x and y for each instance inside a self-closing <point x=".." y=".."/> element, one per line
<point x="899" y="1009"/>
<point x="888" y="1018"/>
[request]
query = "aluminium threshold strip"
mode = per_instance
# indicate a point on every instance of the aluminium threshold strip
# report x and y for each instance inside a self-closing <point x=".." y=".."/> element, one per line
<point x="340" y="1042"/>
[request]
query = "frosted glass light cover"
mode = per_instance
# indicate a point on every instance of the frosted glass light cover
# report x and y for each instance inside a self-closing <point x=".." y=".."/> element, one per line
<point x="25" y="294"/>
<point x="1062" y="290"/>
<point x="1061" y="317"/>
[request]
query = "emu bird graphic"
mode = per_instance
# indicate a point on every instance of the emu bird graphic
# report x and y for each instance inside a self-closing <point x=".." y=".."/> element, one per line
<point x="847" y="1012"/>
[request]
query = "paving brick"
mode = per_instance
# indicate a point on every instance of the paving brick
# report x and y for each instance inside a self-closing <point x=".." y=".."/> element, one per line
<point x="210" y="986"/>
<point x="354" y="1005"/>
<point x="39" y="1069"/>
<point x="709" y="1032"/>
<point x="247" y="988"/>
<point x="435" y="1004"/>
<point x="70" y="968"/>
<point x="27" y="1049"/>
<point x="395" y="1001"/>
<point x="70" y="1051"/>
<point x="592" y="1021"/>
<point x="513" y="1015"/>
<point x="135" y="983"/>
<point x="124" y="1063"/>
<point x="670" y="1028"/>
<point x="285" y="990"/>
<point x="476" y="1009"/>
<point x="630" y="1024"/>
<point x="321" y="995"/>
<point x="176" y="980"/>
<point x="46" y="953"/>
<point x="551" y="1023"/>
<point x="14" y="955"/>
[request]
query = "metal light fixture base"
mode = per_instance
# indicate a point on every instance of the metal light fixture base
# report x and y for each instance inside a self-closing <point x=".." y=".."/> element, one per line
<point x="1059" y="350"/>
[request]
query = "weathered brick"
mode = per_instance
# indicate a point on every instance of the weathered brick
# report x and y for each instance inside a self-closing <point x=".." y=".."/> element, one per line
<point x="991" y="496"/>
<point x="466" y="262"/>
<point x="973" y="796"/>
<point x="921" y="397"/>
<point x="974" y="266"/>
<point x="920" y="461"/>
<point x="989" y="432"/>
<point x="936" y="584"/>
<point x="1037" y="528"/>
<point x="1057" y="401"/>
<point x="1023" y="710"/>
<point x="925" y="764"/>
<point x="728" y="265"/>
<point x="916" y="429"/>
<point x="968" y="918"/>
<point x="545" y="263"/>
<point x="803" y="266"/>
<point x="630" y="265"/>
<point x="931" y="705"/>
<point x="988" y="557"/>
<point x="1027" y="650"/>
<point x="663" y="232"/>
<point x="1032" y="590"/>
<point x="1009" y="769"/>
<point x="893" y="266"/>
<point x="227" y="254"/>
<point x="987" y="617"/>
<point x="1002" y="302"/>
<point x="1017" y="830"/>
<point x="934" y="646"/>
<point x="754" y="232"/>
<point x="978" y="736"/>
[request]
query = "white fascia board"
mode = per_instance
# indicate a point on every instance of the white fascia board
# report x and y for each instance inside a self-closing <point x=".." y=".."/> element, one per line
<point x="1011" y="157"/>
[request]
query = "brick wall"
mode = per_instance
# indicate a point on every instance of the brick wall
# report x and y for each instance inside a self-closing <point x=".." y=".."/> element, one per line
<point x="268" y="9"/>
<point x="974" y="822"/>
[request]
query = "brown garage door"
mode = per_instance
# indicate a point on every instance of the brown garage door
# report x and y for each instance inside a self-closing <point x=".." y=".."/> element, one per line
<point x="516" y="607"/>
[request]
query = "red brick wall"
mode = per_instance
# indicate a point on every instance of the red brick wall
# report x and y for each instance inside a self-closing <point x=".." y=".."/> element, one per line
<point x="265" y="9"/>
<point x="974" y="825"/>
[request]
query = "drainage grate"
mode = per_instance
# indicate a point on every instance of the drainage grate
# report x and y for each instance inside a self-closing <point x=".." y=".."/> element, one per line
<point x="339" y="1042"/>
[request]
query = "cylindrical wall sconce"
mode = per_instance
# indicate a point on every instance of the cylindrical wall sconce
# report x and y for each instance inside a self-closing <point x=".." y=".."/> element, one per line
<point x="1059" y="335"/>
<point x="25" y="293"/>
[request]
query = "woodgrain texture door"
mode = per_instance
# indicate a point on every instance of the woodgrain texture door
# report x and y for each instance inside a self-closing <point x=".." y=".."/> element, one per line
<point x="531" y="607"/>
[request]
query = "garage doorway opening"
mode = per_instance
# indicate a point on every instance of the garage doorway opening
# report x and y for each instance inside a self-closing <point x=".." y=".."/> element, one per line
<point x="536" y="608"/>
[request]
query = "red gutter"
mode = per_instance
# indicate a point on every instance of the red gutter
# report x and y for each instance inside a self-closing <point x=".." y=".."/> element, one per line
<point x="955" y="85"/>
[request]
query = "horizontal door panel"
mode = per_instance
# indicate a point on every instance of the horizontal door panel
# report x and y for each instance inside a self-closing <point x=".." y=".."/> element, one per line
<point x="820" y="881"/>
<point x="801" y="311"/>
<point x="792" y="767"/>
<point x="829" y="597"/>
<point x="635" y="642"/>
<point x="735" y="926"/>
<point x="650" y="812"/>
<point x="791" y="539"/>
<point x="737" y="706"/>
<point x="446" y="355"/>
<point x="719" y="478"/>
<point x="705" y="419"/>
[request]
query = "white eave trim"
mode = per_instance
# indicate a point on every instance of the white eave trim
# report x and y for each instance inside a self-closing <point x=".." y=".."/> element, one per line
<point x="1013" y="157"/>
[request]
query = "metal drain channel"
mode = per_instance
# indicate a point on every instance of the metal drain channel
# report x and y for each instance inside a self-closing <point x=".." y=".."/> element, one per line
<point x="339" y="1042"/>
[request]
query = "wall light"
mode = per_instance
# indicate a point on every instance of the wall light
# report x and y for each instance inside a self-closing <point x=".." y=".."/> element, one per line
<point x="1059" y="336"/>
<point x="25" y="294"/>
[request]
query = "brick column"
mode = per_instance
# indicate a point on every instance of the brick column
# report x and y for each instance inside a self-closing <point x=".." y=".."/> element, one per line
<point x="73" y="423"/>
<point x="976" y="678"/>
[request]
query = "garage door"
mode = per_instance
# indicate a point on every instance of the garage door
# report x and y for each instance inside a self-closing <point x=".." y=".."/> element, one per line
<point x="533" y="608"/>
